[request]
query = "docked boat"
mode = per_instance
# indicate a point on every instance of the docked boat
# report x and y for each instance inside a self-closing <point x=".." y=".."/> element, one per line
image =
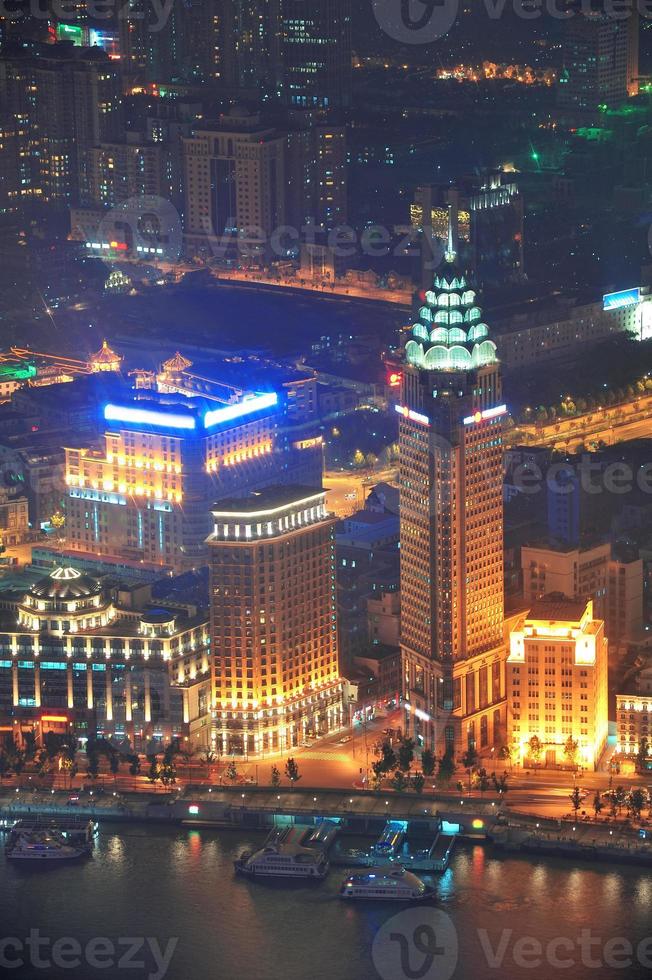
<point x="76" y="832"/>
<point x="284" y="862"/>
<point x="40" y="846"/>
<point x="393" y="884"/>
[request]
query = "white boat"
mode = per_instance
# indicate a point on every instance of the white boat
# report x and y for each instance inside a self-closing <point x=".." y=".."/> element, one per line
<point x="385" y="884"/>
<point x="282" y="861"/>
<point x="34" y="846"/>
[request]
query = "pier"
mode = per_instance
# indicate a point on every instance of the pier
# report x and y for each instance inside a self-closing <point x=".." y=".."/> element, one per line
<point x="433" y="825"/>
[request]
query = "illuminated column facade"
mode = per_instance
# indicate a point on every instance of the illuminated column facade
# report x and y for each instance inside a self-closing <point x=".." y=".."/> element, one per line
<point x="146" y="674"/>
<point x="557" y="683"/>
<point x="450" y="438"/>
<point x="274" y="637"/>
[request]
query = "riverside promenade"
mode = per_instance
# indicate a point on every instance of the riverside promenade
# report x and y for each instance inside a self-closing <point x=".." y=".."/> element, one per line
<point x="359" y="812"/>
<point x="255" y="807"/>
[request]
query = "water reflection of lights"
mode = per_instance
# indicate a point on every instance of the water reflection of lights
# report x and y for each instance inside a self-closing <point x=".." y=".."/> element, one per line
<point x="644" y="892"/>
<point x="575" y="882"/>
<point x="446" y="888"/>
<point x="612" y="887"/>
<point x="538" y="879"/>
<point x="115" y="850"/>
<point x="493" y="871"/>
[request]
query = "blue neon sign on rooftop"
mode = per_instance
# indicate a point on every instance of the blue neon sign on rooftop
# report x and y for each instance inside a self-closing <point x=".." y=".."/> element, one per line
<point x="149" y="416"/>
<point x="626" y="297"/>
<point x="173" y="418"/>
<point x="247" y="407"/>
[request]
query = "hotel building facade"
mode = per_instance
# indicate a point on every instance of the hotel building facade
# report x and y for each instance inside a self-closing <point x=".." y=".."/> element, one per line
<point x="146" y="493"/>
<point x="557" y="682"/>
<point x="450" y="438"/>
<point x="73" y="659"/>
<point x="274" y="621"/>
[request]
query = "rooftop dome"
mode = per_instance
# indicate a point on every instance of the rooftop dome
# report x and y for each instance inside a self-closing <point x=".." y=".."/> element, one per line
<point x="65" y="583"/>
<point x="157" y="617"/>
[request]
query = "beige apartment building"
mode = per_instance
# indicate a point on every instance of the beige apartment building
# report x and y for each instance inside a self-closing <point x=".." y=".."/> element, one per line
<point x="557" y="682"/>
<point x="616" y="587"/>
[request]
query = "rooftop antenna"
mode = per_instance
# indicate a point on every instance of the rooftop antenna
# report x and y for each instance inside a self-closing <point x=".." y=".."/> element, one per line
<point x="451" y="253"/>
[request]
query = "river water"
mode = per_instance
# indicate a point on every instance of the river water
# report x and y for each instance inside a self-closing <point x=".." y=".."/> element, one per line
<point x="177" y="886"/>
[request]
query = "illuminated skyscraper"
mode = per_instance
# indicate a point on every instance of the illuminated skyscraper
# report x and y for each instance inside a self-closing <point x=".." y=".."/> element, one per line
<point x="450" y="437"/>
<point x="273" y="620"/>
<point x="250" y="56"/>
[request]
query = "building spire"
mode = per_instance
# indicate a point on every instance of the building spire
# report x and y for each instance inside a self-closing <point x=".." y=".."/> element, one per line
<point x="451" y="252"/>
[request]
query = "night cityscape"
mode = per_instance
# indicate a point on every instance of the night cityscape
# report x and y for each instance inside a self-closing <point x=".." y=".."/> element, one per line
<point x="325" y="489"/>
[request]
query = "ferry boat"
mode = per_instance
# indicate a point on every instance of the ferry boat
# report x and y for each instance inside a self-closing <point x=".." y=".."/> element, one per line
<point x="73" y="831"/>
<point x="385" y="884"/>
<point x="35" y="846"/>
<point x="289" y="861"/>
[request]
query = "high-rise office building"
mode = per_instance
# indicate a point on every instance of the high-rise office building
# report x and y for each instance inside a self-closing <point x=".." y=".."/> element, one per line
<point x="288" y="50"/>
<point x="234" y="182"/>
<point x="316" y="173"/>
<point x="450" y="438"/>
<point x="487" y="215"/>
<point x="15" y="171"/>
<point x="273" y="621"/>
<point x="600" y="58"/>
<point x="315" y="53"/>
<point x="557" y="683"/>
<point x="65" y="100"/>
<point x="249" y="32"/>
<point x="118" y="171"/>
<point x="145" y="493"/>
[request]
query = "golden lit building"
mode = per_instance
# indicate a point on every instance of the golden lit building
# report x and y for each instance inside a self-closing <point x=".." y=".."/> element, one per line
<point x="557" y="681"/>
<point x="146" y="493"/>
<point x="451" y="509"/>
<point x="273" y="621"/>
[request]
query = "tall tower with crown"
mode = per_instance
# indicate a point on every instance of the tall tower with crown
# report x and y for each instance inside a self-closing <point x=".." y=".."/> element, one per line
<point x="450" y="438"/>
